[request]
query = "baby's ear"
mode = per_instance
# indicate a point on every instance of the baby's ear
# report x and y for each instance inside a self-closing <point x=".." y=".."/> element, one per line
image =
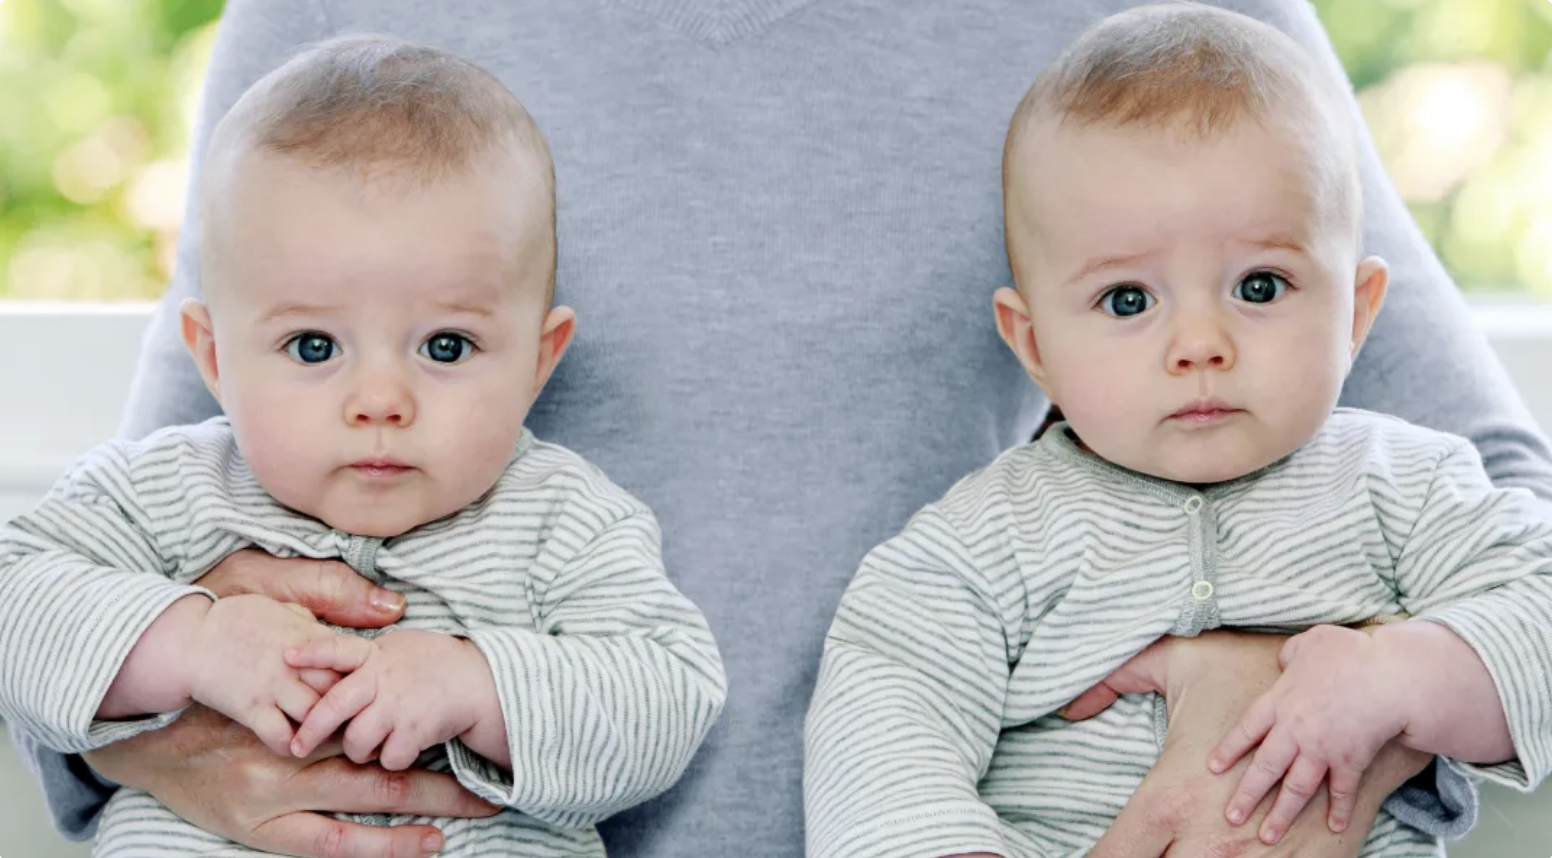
<point x="554" y="336"/>
<point x="200" y="339"/>
<point x="1373" y="279"/>
<point x="1015" y="328"/>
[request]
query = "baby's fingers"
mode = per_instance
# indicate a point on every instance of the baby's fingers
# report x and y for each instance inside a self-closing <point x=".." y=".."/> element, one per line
<point x="1344" y="796"/>
<point x="295" y="699"/>
<point x="1251" y="729"/>
<point x="272" y="728"/>
<point x="1266" y="769"/>
<point x="1299" y="786"/>
<point x="340" y="653"/>
<point x="353" y="694"/>
<point x="318" y="680"/>
<point x="401" y="749"/>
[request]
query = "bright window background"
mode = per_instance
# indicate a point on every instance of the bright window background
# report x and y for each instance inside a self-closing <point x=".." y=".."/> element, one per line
<point x="98" y="100"/>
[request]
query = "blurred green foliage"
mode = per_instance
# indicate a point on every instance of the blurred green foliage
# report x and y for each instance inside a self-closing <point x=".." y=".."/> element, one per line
<point x="1458" y="95"/>
<point x="98" y="97"/>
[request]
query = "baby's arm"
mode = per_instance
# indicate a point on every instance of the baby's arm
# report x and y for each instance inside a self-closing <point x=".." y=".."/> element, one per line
<point x="597" y="710"/>
<point x="82" y="577"/>
<point x="909" y="700"/>
<point x="1478" y="563"/>
<point x="227" y="656"/>
<point x="1468" y="679"/>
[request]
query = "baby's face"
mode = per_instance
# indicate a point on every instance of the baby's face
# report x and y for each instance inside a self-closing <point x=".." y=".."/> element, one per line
<point x="377" y="347"/>
<point x="1192" y="301"/>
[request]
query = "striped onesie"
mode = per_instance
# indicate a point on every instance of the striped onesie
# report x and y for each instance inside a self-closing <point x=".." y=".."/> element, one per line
<point x="608" y="677"/>
<point x="933" y="729"/>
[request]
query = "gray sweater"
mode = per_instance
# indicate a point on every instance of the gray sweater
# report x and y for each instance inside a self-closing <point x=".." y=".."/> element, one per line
<point x="780" y="226"/>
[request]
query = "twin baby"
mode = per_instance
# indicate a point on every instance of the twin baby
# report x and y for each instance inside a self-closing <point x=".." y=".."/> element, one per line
<point x="1183" y="222"/>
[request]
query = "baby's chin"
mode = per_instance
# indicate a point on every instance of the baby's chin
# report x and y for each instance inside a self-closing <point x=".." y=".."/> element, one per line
<point x="1201" y="471"/>
<point x="376" y="518"/>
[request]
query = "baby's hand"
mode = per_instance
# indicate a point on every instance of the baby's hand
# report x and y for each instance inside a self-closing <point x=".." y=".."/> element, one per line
<point x="1331" y="710"/>
<point x="404" y="692"/>
<point x="237" y="666"/>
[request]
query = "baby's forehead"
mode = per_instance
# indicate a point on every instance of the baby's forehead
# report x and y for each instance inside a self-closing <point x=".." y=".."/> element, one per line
<point x="1060" y="162"/>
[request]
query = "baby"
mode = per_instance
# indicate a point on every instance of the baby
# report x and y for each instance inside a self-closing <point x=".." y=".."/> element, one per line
<point x="378" y="262"/>
<point x="1183" y="223"/>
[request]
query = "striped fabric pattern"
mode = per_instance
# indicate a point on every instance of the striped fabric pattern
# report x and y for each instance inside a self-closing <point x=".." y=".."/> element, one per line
<point x="933" y="729"/>
<point x="607" y="675"/>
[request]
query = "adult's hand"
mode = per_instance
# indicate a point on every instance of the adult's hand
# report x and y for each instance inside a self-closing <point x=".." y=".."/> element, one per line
<point x="218" y="776"/>
<point x="1179" y="808"/>
<point x="331" y="590"/>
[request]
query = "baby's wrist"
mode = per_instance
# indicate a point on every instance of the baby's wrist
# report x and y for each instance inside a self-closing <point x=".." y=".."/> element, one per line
<point x="487" y="733"/>
<point x="1401" y="684"/>
<point x="194" y="649"/>
<point x="158" y="674"/>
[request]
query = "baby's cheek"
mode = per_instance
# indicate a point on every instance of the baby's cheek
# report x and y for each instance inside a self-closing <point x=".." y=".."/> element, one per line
<point x="280" y="451"/>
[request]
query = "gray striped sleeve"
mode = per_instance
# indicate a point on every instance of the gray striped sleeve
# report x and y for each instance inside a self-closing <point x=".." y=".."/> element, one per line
<point x="606" y="702"/>
<point x="75" y="596"/>
<point x="905" y="715"/>
<point x="1479" y="561"/>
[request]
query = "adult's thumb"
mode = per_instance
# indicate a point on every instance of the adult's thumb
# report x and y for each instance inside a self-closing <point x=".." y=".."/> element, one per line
<point x="336" y="594"/>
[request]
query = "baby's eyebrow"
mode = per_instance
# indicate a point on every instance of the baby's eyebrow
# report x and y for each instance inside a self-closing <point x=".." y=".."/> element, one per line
<point x="294" y="308"/>
<point x="1105" y="263"/>
<point x="466" y="308"/>
<point x="1279" y="242"/>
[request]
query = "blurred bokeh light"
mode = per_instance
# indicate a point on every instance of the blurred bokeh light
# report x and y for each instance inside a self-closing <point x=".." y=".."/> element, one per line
<point x="98" y="97"/>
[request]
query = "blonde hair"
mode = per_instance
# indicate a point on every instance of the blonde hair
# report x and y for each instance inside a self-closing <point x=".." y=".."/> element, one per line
<point x="387" y="107"/>
<point x="1195" y="69"/>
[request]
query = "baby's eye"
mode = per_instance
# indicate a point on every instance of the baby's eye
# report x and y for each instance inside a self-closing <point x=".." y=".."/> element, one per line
<point x="311" y="347"/>
<point x="1126" y="301"/>
<point x="447" y="348"/>
<point x="1260" y="287"/>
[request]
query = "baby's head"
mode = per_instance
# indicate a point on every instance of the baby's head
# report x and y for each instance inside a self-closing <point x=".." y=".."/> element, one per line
<point x="377" y="256"/>
<point x="1183" y="223"/>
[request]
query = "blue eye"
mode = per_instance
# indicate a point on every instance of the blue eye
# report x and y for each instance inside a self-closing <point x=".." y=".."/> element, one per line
<point x="1260" y="287"/>
<point x="311" y="347"/>
<point x="1126" y="301"/>
<point x="447" y="348"/>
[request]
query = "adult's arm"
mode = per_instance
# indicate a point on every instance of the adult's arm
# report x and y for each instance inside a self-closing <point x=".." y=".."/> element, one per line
<point x="255" y="36"/>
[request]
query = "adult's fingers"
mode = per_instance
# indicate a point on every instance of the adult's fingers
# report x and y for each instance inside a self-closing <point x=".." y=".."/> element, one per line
<point x="1090" y="703"/>
<point x="327" y="588"/>
<point x="340" y="786"/>
<point x="1145" y="671"/>
<point x="314" y="836"/>
<point x="338" y="595"/>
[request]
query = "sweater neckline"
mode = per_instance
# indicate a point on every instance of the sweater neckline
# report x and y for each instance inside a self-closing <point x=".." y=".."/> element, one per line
<point x="717" y="21"/>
